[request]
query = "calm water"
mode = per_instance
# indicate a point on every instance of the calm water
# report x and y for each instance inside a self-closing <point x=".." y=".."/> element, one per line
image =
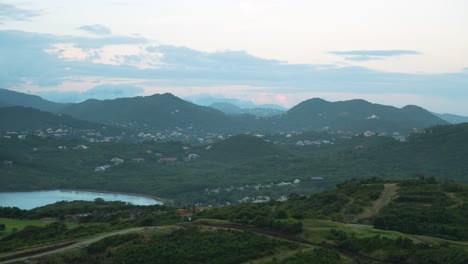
<point x="29" y="200"/>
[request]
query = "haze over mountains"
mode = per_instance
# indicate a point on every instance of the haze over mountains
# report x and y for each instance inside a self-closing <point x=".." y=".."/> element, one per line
<point x="168" y="112"/>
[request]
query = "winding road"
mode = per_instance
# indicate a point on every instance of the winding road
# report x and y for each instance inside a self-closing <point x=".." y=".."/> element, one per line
<point x="79" y="244"/>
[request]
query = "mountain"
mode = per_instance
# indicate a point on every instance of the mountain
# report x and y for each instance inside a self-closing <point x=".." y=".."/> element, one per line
<point x="159" y="111"/>
<point x="227" y="108"/>
<point x="453" y="119"/>
<point x="166" y="112"/>
<point x="12" y="98"/>
<point x="232" y="109"/>
<point x="356" y="116"/>
<point x="207" y="100"/>
<point x="18" y="118"/>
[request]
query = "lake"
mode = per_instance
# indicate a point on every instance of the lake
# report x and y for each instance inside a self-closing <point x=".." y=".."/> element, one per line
<point x="29" y="200"/>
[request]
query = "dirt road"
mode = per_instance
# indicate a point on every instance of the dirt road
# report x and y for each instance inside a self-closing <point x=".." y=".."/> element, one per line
<point x="284" y="236"/>
<point x="79" y="244"/>
<point x="389" y="192"/>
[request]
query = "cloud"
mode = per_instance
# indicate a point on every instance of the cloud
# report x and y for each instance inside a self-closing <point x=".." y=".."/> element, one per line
<point x="363" y="58"/>
<point x="35" y="58"/>
<point x="96" y="29"/>
<point x="368" y="55"/>
<point x="378" y="53"/>
<point x="101" y="92"/>
<point x="27" y="59"/>
<point x="11" y="12"/>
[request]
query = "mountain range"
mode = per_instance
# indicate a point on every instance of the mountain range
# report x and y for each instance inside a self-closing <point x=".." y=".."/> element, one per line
<point x="168" y="112"/>
<point x="232" y="109"/>
<point x="356" y="116"/>
<point x="453" y="119"/>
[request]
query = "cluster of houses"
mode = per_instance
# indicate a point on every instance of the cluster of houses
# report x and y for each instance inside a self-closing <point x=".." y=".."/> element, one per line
<point x="89" y="135"/>
<point x="256" y="187"/>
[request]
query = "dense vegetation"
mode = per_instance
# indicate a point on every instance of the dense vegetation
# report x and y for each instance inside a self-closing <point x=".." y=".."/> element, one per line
<point x="401" y="250"/>
<point x="425" y="206"/>
<point x="98" y="211"/>
<point x="433" y="207"/>
<point x="56" y="231"/>
<point x="186" y="245"/>
<point x="222" y="172"/>
<point x="317" y="255"/>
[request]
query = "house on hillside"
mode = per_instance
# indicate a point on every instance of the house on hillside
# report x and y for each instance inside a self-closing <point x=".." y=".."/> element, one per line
<point x="102" y="168"/>
<point x="8" y="163"/>
<point x="81" y="146"/>
<point x="188" y="213"/>
<point x="316" y="178"/>
<point x="167" y="160"/>
<point x="193" y="156"/>
<point x="116" y="160"/>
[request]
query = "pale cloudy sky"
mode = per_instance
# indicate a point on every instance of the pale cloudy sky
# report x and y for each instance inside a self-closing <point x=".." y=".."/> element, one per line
<point x="393" y="52"/>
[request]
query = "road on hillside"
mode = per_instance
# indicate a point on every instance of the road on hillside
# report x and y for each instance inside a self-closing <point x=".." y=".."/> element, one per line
<point x="284" y="236"/>
<point x="80" y="244"/>
<point x="389" y="192"/>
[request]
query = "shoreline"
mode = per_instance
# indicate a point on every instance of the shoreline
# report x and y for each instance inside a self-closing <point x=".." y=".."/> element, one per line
<point x="160" y="201"/>
<point x="157" y="199"/>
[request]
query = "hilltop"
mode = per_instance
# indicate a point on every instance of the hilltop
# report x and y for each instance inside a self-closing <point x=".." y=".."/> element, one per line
<point x="356" y="116"/>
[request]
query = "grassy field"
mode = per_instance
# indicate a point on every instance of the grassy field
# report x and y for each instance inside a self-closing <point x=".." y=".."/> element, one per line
<point x="318" y="230"/>
<point x="11" y="224"/>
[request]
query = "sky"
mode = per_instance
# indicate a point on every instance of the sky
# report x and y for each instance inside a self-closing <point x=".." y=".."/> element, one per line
<point x="266" y="51"/>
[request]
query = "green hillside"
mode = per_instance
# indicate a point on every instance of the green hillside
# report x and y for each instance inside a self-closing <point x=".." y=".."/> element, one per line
<point x="423" y="221"/>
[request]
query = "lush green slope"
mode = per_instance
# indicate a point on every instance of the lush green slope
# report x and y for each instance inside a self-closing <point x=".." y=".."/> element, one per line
<point x="230" y="170"/>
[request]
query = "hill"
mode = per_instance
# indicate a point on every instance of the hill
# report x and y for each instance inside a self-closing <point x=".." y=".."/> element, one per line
<point x="232" y="109"/>
<point x="18" y="118"/>
<point x="12" y="98"/>
<point x="159" y="112"/>
<point x="356" y="116"/>
<point x="453" y="119"/>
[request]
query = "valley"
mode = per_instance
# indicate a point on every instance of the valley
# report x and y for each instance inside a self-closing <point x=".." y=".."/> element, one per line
<point x="342" y="182"/>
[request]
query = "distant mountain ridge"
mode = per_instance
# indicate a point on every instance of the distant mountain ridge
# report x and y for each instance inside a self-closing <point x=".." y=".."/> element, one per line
<point x="159" y="111"/>
<point x="453" y="119"/>
<point x="232" y="109"/>
<point x="168" y="112"/>
<point x="206" y="100"/>
<point x="12" y="98"/>
<point x="355" y="115"/>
